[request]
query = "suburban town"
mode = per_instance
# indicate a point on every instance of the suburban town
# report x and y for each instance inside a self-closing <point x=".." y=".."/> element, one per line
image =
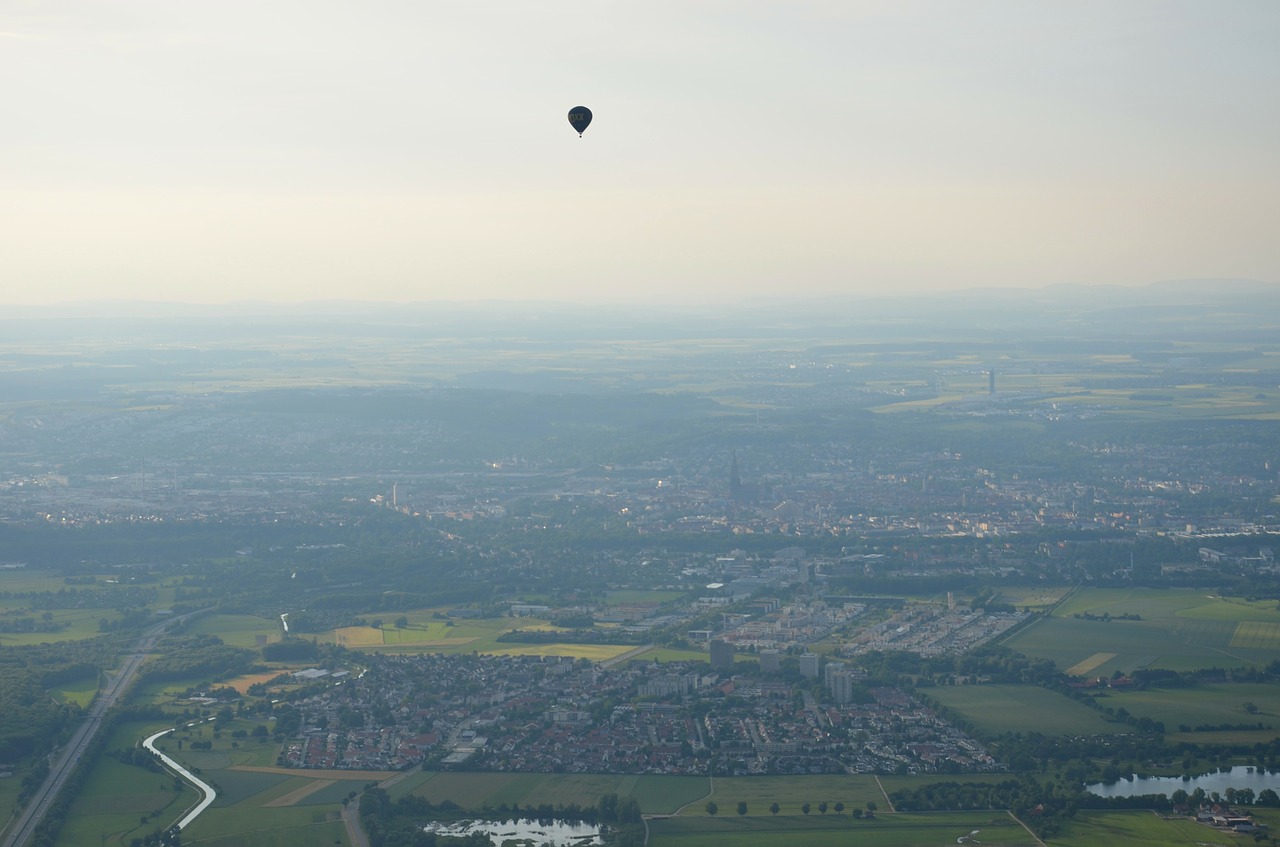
<point x="558" y="715"/>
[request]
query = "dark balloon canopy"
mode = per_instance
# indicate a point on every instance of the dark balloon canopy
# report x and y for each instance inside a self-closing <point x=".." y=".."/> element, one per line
<point x="579" y="118"/>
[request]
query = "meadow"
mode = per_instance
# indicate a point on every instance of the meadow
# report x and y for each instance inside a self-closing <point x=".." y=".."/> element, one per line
<point x="761" y="829"/>
<point x="1137" y="829"/>
<point x="792" y="792"/>
<point x="1211" y="704"/>
<point x="995" y="709"/>
<point x="120" y="802"/>
<point x="246" y="825"/>
<point x="1178" y="630"/>
<point x="248" y="631"/>
<point x="80" y="691"/>
<point x="9" y="788"/>
<point x="75" y="625"/>
<point x="655" y="794"/>
<point x="426" y="631"/>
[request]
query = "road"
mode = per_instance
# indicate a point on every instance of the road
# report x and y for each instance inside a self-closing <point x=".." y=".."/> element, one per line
<point x="70" y="755"/>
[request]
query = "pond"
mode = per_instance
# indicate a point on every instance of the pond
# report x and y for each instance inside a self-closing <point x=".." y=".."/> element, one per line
<point x="525" y="830"/>
<point x="1257" y="779"/>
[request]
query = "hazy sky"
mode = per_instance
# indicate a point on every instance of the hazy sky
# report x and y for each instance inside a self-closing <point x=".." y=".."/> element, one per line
<point x="213" y="150"/>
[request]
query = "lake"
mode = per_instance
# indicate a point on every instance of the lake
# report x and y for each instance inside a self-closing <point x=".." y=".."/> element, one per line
<point x="537" y="832"/>
<point x="1237" y="777"/>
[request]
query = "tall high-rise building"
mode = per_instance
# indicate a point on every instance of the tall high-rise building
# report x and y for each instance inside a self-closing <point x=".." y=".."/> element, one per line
<point x="809" y="664"/>
<point x="770" y="661"/>
<point x="841" y="685"/>
<point x="721" y="655"/>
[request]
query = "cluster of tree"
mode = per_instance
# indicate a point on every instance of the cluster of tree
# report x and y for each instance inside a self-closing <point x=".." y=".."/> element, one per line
<point x="45" y="623"/>
<point x="139" y="756"/>
<point x="30" y="719"/>
<point x="171" y="837"/>
<point x="998" y="664"/>
<point x="199" y="656"/>
<point x="1165" y="678"/>
<point x="291" y="650"/>
<point x="573" y="636"/>
<point x="805" y="808"/>
<point x="129" y="621"/>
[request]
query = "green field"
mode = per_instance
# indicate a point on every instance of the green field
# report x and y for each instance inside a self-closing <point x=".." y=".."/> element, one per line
<point x="1139" y="829"/>
<point x="249" y="826"/>
<point x="28" y="580"/>
<point x="80" y="692"/>
<point x="1031" y="597"/>
<point x="238" y="630"/>
<point x="1216" y="704"/>
<point x="792" y="792"/>
<point x="117" y="797"/>
<point x="9" y="788"/>
<point x="761" y="829"/>
<point x="77" y="624"/>
<point x="995" y="709"/>
<point x="655" y="794"/>
<point x="1179" y="630"/>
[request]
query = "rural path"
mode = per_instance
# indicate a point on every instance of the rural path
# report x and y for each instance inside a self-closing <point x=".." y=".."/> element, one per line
<point x="351" y="817"/>
<point x="884" y="793"/>
<point x="1030" y="831"/>
<point x="351" y="811"/>
<point x="711" y="784"/>
<point x="630" y="654"/>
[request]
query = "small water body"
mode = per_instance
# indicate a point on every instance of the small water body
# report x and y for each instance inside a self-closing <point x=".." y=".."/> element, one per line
<point x="1238" y="777"/>
<point x="537" y="832"/>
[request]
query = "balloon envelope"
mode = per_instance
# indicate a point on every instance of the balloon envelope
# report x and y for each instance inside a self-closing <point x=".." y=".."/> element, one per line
<point x="579" y="118"/>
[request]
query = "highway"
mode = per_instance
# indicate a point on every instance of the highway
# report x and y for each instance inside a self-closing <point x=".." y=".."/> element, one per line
<point x="25" y="823"/>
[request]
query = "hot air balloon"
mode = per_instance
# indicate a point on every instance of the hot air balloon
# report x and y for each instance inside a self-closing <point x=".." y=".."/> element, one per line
<point x="579" y="118"/>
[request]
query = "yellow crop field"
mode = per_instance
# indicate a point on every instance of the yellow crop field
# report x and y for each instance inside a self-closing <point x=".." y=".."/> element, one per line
<point x="1082" y="668"/>
<point x="1262" y="635"/>
<point x="358" y="636"/>
<point x="242" y="683"/>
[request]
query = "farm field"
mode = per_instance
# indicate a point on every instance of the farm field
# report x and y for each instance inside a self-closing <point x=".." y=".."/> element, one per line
<point x="81" y="691"/>
<point x="997" y="829"/>
<point x="238" y="630"/>
<point x="1137" y="829"/>
<point x="256" y="805"/>
<point x="1034" y="598"/>
<point x="655" y="794"/>
<point x="117" y="796"/>
<point x="77" y="624"/>
<point x="9" y="788"/>
<point x="246" y="825"/>
<point x="1209" y="704"/>
<point x="1178" y="629"/>
<point x="427" y="633"/>
<point x="792" y="792"/>
<point x="27" y="580"/>
<point x="995" y="709"/>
